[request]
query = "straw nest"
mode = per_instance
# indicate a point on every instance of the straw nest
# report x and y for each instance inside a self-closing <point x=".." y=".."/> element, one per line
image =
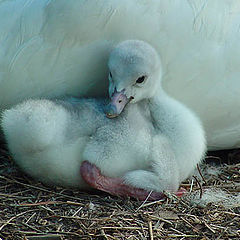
<point x="209" y="210"/>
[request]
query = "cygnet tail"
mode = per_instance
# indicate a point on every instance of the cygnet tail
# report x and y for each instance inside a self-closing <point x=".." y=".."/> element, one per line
<point x="33" y="125"/>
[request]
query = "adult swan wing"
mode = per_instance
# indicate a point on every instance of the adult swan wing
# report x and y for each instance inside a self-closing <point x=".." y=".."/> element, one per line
<point x="55" y="47"/>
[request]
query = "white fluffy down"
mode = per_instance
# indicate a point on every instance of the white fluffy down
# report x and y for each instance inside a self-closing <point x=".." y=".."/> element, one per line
<point x="154" y="144"/>
<point x="215" y="196"/>
<point x="50" y="48"/>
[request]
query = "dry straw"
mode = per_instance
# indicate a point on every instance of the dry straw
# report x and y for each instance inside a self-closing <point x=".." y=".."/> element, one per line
<point x="30" y="210"/>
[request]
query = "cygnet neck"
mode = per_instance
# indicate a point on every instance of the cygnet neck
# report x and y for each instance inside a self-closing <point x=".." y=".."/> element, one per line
<point x="163" y="110"/>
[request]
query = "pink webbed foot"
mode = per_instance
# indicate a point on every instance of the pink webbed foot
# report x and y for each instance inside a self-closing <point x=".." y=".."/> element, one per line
<point x="115" y="186"/>
<point x="180" y="192"/>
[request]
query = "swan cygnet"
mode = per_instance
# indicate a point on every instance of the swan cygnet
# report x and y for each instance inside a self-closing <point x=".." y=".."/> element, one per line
<point x="142" y="141"/>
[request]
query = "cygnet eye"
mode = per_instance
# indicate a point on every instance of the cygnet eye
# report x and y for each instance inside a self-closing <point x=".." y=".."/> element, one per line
<point x="141" y="79"/>
<point x="110" y="74"/>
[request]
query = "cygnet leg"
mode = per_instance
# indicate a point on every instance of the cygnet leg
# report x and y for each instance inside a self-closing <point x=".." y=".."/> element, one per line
<point x="115" y="186"/>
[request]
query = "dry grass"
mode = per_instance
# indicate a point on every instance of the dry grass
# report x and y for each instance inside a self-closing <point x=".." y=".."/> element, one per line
<point x="30" y="210"/>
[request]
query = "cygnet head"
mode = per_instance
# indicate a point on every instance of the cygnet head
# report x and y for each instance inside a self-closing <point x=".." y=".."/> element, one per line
<point x="134" y="75"/>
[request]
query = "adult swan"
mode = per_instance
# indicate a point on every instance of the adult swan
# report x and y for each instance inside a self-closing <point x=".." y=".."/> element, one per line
<point x="55" y="47"/>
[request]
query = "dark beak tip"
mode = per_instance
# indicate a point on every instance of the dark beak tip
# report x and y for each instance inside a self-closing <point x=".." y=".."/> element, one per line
<point x="109" y="115"/>
<point x="110" y="110"/>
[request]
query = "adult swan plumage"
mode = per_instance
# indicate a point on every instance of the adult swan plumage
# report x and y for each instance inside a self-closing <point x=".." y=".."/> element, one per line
<point x="54" y="47"/>
<point x="153" y="145"/>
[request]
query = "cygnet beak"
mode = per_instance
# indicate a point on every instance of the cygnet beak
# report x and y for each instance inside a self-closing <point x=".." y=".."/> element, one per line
<point x="117" y="103"/>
